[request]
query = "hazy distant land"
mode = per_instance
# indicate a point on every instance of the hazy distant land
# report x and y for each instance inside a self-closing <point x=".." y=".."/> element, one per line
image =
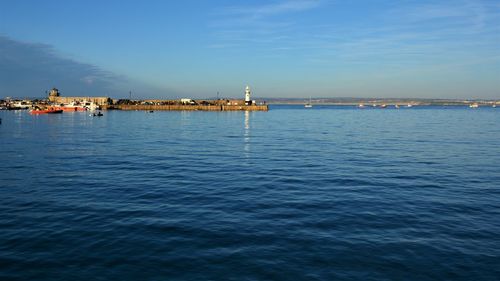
<point x="378" y="101"/>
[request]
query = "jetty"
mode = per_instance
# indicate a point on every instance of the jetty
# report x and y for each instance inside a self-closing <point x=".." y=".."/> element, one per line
<point x="187" y="104"/>
<point x="184" y="104"/>
<point x="194" y="107"/>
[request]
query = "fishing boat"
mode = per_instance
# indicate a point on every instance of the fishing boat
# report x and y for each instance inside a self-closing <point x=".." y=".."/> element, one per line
<point x="75" y="106"/>
<point x="48" y="110"/>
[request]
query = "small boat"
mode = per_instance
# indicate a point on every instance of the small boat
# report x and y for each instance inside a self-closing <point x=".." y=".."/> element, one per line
<point x="309" y="104"/>
<point x="494" y="105"/>
<point x="383" y="106"/>
<point x="396" y="106"/>
<point x="49" y="110"/>
<point x="361" y="105"/>
<point x="72" y="107"/>
<point x="409" y="105"/>
<point x="474" y="105"/>
<point x="22" y="104"/>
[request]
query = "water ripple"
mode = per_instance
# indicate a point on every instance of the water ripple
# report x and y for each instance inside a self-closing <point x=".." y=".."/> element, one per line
<point x="289" y="194"/>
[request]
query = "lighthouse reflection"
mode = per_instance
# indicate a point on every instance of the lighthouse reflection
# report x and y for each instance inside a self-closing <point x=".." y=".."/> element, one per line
<point x="246" y="135"/>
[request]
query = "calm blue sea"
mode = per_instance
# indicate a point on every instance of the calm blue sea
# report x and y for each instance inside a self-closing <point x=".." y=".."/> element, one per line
<point x="328" y="193"/>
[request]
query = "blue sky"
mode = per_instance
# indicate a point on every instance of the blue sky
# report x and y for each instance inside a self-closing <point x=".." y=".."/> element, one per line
<point x="282" y="48"/>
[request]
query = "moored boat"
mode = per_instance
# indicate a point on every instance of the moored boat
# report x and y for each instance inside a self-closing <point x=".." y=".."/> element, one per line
<point x="308" y="104"/>
<point x="48" y="110"/>
<point x="70" y="108"/>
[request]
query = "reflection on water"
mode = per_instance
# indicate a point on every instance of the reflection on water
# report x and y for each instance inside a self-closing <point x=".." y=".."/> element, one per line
<point x="246" y="134"/>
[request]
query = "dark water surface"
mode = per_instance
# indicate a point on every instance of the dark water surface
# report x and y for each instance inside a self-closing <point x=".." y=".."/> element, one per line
<point x="329" y="193"/>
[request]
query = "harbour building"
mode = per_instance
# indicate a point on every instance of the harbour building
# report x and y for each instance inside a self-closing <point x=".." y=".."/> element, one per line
<point x="55" y="97"/>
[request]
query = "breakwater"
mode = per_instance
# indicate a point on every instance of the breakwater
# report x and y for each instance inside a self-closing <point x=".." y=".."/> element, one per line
<point x="179" y="107"/>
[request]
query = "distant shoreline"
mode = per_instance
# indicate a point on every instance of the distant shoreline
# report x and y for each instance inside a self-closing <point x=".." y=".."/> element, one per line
<point x="387" y="104"/>
<point x="380" y="101"/>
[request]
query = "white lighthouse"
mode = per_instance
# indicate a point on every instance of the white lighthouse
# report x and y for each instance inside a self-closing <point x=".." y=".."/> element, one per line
<point x="247" y="96"/>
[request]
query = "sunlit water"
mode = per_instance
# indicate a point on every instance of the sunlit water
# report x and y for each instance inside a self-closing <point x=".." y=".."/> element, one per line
<point x="328" y="193"/>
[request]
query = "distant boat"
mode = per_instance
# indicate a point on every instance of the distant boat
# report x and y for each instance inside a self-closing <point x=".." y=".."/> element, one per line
<point x="383" y="106"/>
<point x="396" y="106"/>
<point x="474" y="105"/>
<point x="494" y="105"/>
<point x="409" y="105"/>
<point x="309" y="104"/>
<point x="361" y="105"/>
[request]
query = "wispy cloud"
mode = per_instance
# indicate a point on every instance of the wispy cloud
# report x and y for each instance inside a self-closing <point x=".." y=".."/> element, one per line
<point x="259" y="12"/>
<point x="464" y="14"/>
<point x="418" y="34"/>
<point x="261" y="24"/>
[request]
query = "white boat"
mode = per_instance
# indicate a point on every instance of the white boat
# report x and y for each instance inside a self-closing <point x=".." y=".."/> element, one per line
<point x="309" y="104"/>
<point x="409" y="105"/>
<point x="92" y="106"/>
<point x="361" y="105"/>
<point x="474" y="105"/>
<point x="22" y="104"/>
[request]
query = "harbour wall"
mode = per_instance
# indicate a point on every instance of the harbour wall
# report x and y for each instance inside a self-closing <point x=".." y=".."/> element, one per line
<point x="179" y="107"/>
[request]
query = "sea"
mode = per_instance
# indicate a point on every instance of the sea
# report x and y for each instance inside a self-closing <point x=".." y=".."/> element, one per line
<point x="322" y="193"/>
